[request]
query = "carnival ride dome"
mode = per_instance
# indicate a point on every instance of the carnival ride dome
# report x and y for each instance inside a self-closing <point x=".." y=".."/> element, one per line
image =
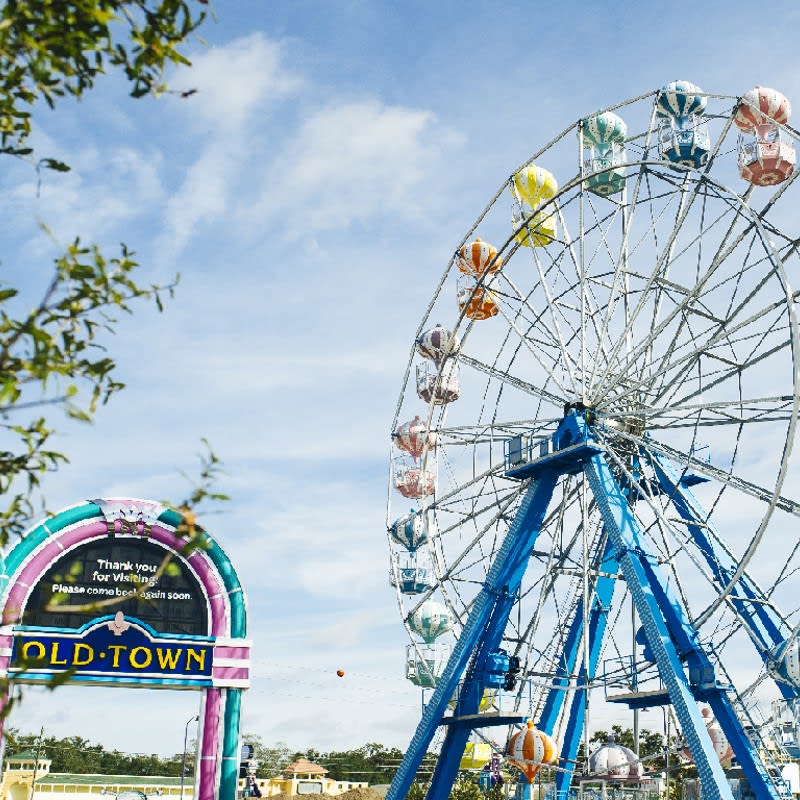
<point x="615" y="761"/>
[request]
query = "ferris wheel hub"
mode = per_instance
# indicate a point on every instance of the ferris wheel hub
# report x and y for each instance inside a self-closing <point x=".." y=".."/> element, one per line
<point x="587" y="411"/>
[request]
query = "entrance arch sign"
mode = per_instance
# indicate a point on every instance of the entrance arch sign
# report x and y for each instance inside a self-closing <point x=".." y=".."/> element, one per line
<point x="62" y="617"/>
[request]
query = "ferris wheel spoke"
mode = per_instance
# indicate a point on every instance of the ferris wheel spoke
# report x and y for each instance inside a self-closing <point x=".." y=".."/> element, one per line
<point x="622" y="270"/>
<point x="684" y="307"/>
<point x="659" y="265"/>
<point x="734" y="412"/>
<point x="464" y="503"/>
<point x="566" y="359"/>
<point x="687" y="306"/>
<point x="722" y="334"/>
<point x="719" y="334"/>
<point x="664" y="291"/>
<point x="526" y="343"/>
<point x="498" y="432"/>
<point x="729" y="371"/>
<point x="588" y="306"/>
<point x="731" y="313"/>
<point x="661" y="290"/>
<point x="712" y="368"/>
<point x="697" y="465"/>
<point x="561" y="300"/>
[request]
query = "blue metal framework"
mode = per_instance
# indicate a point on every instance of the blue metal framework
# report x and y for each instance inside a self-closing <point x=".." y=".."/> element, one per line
<point x="685" y="668"/>
<point x="767" y="630"/>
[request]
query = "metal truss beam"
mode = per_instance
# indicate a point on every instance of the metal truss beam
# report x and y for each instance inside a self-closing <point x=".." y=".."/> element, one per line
<point x="767" y="630"/>
<point x="481" y="634"/>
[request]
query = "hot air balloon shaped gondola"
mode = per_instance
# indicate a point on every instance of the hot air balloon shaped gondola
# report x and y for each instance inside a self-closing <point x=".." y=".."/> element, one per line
<point x="683" y="137"/>
<point x="412" y="530"/>
<point x="478" y="258"/>
<point x="528" y="750"/>
<point x="477" y="302"/>
<point x="766" y="157"/>
<point x="604" y="153"/>
<point x="425" y="662"/>
<point x="411" y="573"/>
<point x="412" y="480"/>
<point x="533" y="187"/>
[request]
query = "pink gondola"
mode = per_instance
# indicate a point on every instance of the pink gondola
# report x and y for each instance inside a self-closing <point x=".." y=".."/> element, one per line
<point x="413" y="437"/>
<point x="767" y="159"/>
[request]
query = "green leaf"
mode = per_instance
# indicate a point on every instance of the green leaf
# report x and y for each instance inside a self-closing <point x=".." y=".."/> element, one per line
<point x="52" y="163"/>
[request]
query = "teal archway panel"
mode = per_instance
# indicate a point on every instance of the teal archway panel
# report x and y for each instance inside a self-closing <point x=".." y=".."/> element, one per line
<point x="105" y="548"/>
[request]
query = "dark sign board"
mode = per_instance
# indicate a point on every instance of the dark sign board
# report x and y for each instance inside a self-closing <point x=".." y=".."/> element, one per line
<point x="72" y="591"/>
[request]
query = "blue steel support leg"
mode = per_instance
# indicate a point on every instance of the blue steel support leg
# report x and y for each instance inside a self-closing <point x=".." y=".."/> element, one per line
<point x="665" y="624"/>
<point x="481" y="628"/>
<point x="705" y="687"/>
<point x="598" y="619"/>
<point x="469" y="699"/>
<point x="563" y="671"/>
<point x="468" y="702"/>
<point x="767" y="630"/>
<point x="626" y="536"/>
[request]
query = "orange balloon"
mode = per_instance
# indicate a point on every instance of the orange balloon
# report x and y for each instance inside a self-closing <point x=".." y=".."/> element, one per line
<point x="340" y="673"/>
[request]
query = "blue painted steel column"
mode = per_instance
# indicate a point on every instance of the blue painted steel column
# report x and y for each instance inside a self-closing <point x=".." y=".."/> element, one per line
<point x="482" y="627"/>
<point x="632" y="553"/>
<point x="598" y="620"/>
<point x="665" y="625"/>
<point x="767" y="630"/>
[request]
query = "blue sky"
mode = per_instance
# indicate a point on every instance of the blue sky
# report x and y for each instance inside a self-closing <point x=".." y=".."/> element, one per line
<point x="310" y="193"/>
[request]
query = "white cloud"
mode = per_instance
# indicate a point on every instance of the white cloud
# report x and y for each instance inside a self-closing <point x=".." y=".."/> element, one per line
<point x="236" y="84"/>
<point x="203" y="197"/>
<point x="270" y="177"/>
<point x="105" y="189"/>
<point x="352" y="162"/>
<point x="233" y="81"/>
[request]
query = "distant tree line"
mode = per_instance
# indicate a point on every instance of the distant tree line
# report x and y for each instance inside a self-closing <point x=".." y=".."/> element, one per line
<point x="372" y="763"/>
<point x="80" y="756"/>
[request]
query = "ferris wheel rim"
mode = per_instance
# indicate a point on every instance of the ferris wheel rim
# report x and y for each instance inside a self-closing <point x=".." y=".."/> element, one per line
<point x="511" y="246"/>
<point x="555" y="395"/>
<point x="736" y="99"/>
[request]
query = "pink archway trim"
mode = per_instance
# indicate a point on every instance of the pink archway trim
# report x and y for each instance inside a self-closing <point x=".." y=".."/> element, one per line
<point x="36" y="566"/>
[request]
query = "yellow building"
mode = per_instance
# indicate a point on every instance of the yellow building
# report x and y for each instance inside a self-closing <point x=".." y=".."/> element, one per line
<point x="302" y="778"/>
<point x="24" y="773"/>
<point x="27" y="778"/>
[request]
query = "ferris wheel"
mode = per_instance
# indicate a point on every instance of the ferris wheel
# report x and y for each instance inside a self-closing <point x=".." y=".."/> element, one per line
<point x="590" y="491"/>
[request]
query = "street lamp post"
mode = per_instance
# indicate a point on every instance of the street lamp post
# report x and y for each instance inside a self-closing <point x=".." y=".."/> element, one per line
<point x="195" y="718"/>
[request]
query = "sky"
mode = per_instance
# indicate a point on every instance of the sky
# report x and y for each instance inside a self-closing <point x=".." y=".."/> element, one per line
<point x="309" y="193"/>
